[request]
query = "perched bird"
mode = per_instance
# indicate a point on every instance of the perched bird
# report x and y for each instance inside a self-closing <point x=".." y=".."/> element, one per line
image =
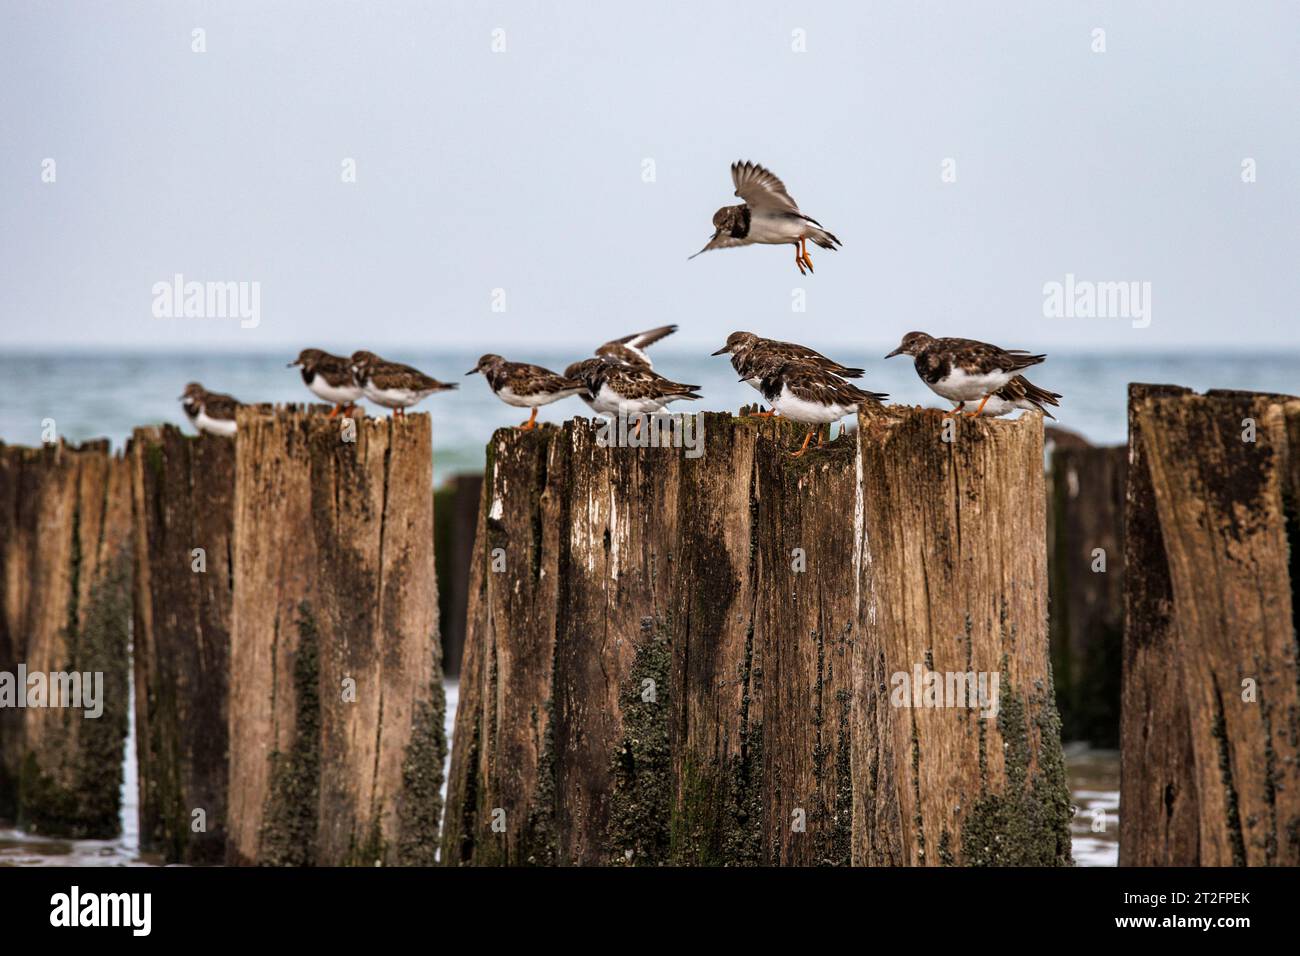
<point x="631" y="349"/>
<point x="803" y="392"/>
<point x="617" y="389"/>
<point x="767" y="215"/>
<point x="211" y="412"/>
<point x="525" y="386"/>
<point x="750" y="354"/>
<point x="1019" y="393"/>
<point x="963" y="370"/>
<point x="329" y="377"/>
<point x="392" y="384"/>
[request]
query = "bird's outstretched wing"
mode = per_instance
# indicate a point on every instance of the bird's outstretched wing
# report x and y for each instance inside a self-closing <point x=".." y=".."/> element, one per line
<point x="630" y="349"/>
<point x="761" y="188"/>
<point x="720" y="242"/>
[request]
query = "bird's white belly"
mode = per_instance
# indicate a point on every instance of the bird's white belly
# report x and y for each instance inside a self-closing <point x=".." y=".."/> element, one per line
<point x="776" y="229"/>
<point x="393" y="397"/>
<point x="613" y="403"/>
<point x="214" y="426"/>
<point x="811" y="413"/>
<point x="339" y="396"/>
<point x="959" y="386"/>
<point x="998" y="406"/>
<point x="534" y="400"/>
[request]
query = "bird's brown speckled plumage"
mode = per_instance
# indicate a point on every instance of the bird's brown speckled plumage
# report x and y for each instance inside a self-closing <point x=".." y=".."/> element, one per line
<point x="630" y="349"/>
<point x="632" y="382"/>
<point x="751" y="355"/>
<point x="936" y="358"/>
<point x="811" y="383"/>
<point x="217" y="405"/>
<point x="383" y="374"/>
<point x="523" y="379"/>
<point x="336" y="370"/>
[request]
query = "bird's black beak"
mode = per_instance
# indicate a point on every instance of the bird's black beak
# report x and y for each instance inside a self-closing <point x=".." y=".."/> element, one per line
<point x="897" y="351"/>
<point x="471" y="371"/>
<point x="291" y="365"/>
<point x="721" y="351"/>
<point x="706" y="247"/>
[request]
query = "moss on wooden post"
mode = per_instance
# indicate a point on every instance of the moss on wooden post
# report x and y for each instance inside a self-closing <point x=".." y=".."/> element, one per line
<point x="336" y="711"/>
<point x="65" y="551"/>
<point x="665" y="655"/>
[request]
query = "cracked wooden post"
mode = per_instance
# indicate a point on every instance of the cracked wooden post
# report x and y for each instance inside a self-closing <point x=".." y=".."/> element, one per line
<point x="1086" y="561"/>
<point x="183" y="490"/>
<point x="65" y="551"/>
<point x="336" y="713"/>
<point x="1221" y="510"/>
<point x="661" y="653"/>
<point x="951" y="546"/>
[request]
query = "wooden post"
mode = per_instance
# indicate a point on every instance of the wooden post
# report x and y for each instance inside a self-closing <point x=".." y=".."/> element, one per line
<point x="954" y="582"/>
<point x="66" y="540"/>
<point x="1210" y="757"/>
<point x="336" y="713"/>
<point x="456" y="507"/>
<point x="183" y="489"/>
<point x="1085" y="547"/>
<point x="664" y="653"/>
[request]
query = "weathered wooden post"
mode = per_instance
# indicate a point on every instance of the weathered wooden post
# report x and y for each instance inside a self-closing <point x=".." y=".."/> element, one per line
<point x="183" y="489"/>
<point x="1085" y="550"/>
<point x="336" y="700"/>
<point x="65" y="537"/>
<point x="456" y="508"/>
<point x="954" y="597"/>
<point x="665" y="652"/>
<point x="1210" y="749"/>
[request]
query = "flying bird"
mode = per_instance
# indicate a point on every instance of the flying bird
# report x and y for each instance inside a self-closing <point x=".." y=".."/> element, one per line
<point x="768" y="215"/>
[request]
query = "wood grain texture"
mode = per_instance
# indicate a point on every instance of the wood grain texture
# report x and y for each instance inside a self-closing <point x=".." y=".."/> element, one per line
<point x="183" y="489"/>
<point x="1159" y="822"/>
<point x="65" y="548"/>
<point x="1225" y="508"/>
<point x="666" y="665"/>
<point x="954" y="580"/>
<point x="1086" y="488"/>
<point x="336" y="735"/>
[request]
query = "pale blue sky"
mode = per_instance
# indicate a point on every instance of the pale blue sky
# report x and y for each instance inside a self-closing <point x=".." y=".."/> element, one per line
<point x="522" y="170"/>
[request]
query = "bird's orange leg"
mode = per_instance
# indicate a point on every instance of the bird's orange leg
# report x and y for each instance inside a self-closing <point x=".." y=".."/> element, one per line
<point x="532" y="421"/>
<point x="803" y="245"/>
<point x="336" y="410"/>
<point x="636" y="429"/>
<point x="976" y="413"/>
<point x="806" y="439"/>
<point x="798" y="258"/>
<point x="823" y="435"/>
